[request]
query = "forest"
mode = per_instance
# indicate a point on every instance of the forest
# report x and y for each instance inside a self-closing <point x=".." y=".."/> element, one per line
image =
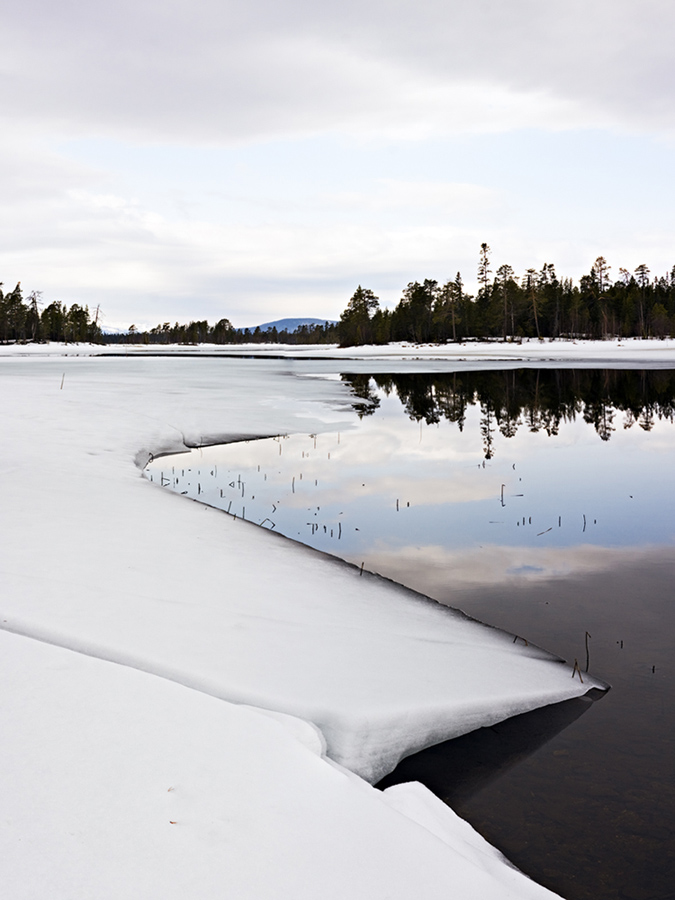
<point x="506" y="307"/>
<point x="223" y="332"/>
<point x="23" y="320"/>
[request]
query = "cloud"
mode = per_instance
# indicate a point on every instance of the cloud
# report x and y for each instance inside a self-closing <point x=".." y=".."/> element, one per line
<point x="73" y="231"/>
<point x="213" y="71"/>
<point x="437" y="570"/>
<point x="424" y="197"/>
<point x="310" y="106"/>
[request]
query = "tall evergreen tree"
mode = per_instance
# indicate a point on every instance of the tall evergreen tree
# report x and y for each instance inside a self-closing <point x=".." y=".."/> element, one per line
<point x="355" y="326"/>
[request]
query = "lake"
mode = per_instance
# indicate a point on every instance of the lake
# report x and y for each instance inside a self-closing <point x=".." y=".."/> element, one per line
<point x="541" y="501"/>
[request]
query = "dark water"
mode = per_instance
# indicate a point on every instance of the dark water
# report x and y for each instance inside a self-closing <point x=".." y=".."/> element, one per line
<point x="591" y="813"/>
<point x="540" y="501"/>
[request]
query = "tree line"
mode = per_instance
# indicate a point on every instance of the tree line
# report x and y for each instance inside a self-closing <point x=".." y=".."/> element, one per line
<point x="536" y="399"/>
<point x="23" y="320"/>
<point x="537" y="304"/>
<point x="223" y="332"/>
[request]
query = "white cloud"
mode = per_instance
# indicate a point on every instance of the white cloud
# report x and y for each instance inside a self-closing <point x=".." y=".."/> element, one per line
<point x="427" y="197"/>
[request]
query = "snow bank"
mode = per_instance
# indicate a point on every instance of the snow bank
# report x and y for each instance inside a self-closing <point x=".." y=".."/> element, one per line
<point x="119" y="784"/>
<point x="96" y="559"/>
<point x="611" y="352"/>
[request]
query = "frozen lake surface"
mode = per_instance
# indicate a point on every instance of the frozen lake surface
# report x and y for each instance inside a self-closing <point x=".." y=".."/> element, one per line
<point x="222" y="693"/>
<point x="540" y="501"/>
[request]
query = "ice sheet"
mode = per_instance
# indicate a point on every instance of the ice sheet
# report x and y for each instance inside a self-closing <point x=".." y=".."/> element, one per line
<point x="120" y="784"/>
<point x="96" y="558"/>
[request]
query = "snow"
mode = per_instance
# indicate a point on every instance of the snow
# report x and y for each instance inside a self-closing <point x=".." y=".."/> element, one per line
<point x="99" y="566"/>
<point x="120" y="784"/>
<point x="624" y="351"/>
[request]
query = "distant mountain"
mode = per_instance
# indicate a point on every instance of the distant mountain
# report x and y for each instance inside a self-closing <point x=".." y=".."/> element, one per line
<point x="288" y="324"/>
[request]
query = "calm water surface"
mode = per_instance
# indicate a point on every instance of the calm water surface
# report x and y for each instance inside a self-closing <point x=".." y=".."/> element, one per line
<point x="540" y="501"/>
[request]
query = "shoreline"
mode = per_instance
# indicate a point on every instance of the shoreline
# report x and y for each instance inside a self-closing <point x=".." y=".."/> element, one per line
<point x="629" y="351"/>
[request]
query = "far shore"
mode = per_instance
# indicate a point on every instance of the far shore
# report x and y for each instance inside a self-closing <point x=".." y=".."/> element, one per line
<point x="628" y="351"/>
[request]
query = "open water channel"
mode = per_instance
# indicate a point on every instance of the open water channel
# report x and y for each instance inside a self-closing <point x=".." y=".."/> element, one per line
<point x="541" y="501"/>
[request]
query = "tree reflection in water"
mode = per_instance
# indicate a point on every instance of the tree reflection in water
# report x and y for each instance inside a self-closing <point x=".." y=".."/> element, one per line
<point x="536" y="399"/>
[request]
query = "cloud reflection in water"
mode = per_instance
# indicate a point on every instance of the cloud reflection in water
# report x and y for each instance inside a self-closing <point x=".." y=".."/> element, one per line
<point x="415" y="493"/>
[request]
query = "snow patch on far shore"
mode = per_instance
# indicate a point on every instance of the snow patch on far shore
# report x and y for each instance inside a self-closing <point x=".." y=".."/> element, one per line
<point x="622" y="351"/>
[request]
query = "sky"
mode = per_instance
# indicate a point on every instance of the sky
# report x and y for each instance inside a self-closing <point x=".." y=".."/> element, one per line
<point x="255" y="160"/>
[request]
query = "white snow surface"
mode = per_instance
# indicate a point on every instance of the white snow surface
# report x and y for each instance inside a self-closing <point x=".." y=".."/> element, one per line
<point x="103" y="564"/>
<point x="118" y="784"/>
<point x="615" y="351"/>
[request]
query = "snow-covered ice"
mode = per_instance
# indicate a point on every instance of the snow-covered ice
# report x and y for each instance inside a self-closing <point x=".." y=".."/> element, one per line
<point x="617" y="351"/>
<point x="97" y="560"/>
<point x="118" y="784"/>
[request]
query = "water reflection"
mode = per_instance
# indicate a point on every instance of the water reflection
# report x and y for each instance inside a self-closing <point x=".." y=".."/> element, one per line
<point x="538" y="399"/>
<point x="480" y="477"/>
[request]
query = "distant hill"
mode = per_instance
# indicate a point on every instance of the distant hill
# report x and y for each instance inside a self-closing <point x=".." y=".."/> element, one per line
<point x="288" y="324"/>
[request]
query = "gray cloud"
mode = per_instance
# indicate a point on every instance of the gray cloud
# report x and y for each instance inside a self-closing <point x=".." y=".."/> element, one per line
<point x="210" y="71"/>
<point x="287" y="235"/>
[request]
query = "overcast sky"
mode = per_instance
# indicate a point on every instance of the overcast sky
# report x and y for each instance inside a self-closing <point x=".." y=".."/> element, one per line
<point x="254" y="160"/>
